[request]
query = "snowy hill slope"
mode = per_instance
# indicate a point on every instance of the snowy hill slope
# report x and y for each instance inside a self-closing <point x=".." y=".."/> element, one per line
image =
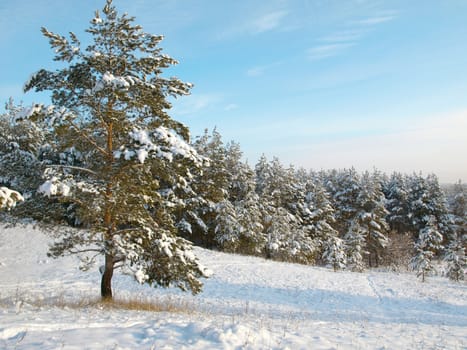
<point x="248" y="303"/>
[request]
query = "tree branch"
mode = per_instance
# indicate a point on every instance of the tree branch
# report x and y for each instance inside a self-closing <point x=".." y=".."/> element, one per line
<point x="94" y="250"/>
<point x="87" y="138"/>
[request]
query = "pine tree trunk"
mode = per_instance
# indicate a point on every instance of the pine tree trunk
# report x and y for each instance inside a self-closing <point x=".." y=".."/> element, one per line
<point x="106" y="283"/>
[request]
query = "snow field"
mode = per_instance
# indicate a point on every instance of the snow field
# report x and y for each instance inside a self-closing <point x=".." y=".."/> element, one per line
<point x="249" y="303"/>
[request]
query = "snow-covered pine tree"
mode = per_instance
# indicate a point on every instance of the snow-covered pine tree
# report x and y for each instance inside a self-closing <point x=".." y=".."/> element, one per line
<point x="275" y="183"/>
<point x="334" y="252"/>
<point x="418" y="203"/>
<point x="455" y="254"/>
<point x="280" y="197"/>
<point x="242" y="196"/>
<point x="25" y="150"/>
<point x="396" y="194"/>
<point x="439" y="207"/>
<point x="263" y="173"/>
<point x="429" y="216"/>
<point x="458" y="209"/>
<point x="111" y="104"/>
<point x="355" y="244"/>
<point x="371" y="216"/>
<point x="228" y="230"/>
<point x="211" y="185"/>
<point x="286" y="239"/>
<point x="345" y="185"/>
<point x="318" y="220"/>
<point x="428" y="244"/>
<point x="427" y="201"/>
<point x="250" y="216"/>
<point x="22" y="145"/>
<point x="239" y="174"/>
<point x="456" y="259"/>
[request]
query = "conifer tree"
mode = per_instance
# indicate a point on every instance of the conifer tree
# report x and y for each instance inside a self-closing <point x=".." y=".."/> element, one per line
<point x="456" y="259"/>
<point x="124" y="150"/>
<point x="458" y="205"/>
<point x="396" y="193"/>
<point x="371" y="216"/>
<point x="211" y="185"/>
<point x="250" y="216"/>
<point x="263" y="173"/>
<point x="228" y="230"/>
<point x="22" y="149"/>
<point x="428" y="244"/>
<point x="439" y="207"/>
<point x="239" y="174"/>
<point x="281" y="198"/>
<point x="25" y="150"/>
<point x="458" y="210"/>
<point x="275" y="183"/>
<point x="242" y="195"/>
<point x="427" y="202"/>
<point x="214" y="177"/>
<point x="334" y="252"/>
<point x="319" y="222"/>
<point x="286" y="239"/>
<point x="355" y="244"/>
<point x="346" y="187"/>
<point x="419" y="209"/>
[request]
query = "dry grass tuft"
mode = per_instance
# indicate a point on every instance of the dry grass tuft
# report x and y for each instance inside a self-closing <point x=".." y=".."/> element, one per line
<point x="138" y="304"/>
<point x="86" y="302"/>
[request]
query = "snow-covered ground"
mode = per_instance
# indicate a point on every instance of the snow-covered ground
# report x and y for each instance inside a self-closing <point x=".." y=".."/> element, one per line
<point x="248" y="303"/>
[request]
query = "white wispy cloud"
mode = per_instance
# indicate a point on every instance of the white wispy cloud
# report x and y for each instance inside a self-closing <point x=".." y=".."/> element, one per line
<point x="329" y="50"/>
<point x="255" y="24"/>
<point x="376" y="20"/>
<point x="349" y="35"/>
<point x="266" y="22"/>
<point x="338" y="42"/>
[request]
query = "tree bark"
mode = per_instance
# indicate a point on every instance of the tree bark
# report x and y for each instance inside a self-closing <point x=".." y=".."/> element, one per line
<point x="106" y="282"/>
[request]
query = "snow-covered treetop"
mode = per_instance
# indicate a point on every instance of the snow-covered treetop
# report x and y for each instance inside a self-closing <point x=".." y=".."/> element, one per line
<point x="122" y="65"/>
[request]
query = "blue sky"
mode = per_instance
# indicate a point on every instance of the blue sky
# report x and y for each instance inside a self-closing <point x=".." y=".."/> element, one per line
<point x="319" y="84"/>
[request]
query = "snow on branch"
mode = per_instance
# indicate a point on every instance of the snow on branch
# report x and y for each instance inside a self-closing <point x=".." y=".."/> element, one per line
<point x="63" y="185"/>
<point x="9" y="198"/>
<point x="48" y="114"/>
<point x="54" y="187"/>
<point x="132" y="245"/>
<point x="117" y="82"/>
<point x="174" y="87"/>
<point x="28" y="112"/>
<point x="159" y="143"/>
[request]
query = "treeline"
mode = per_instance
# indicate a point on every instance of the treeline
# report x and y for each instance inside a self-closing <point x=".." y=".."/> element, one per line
<point x="339" y="218"/>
